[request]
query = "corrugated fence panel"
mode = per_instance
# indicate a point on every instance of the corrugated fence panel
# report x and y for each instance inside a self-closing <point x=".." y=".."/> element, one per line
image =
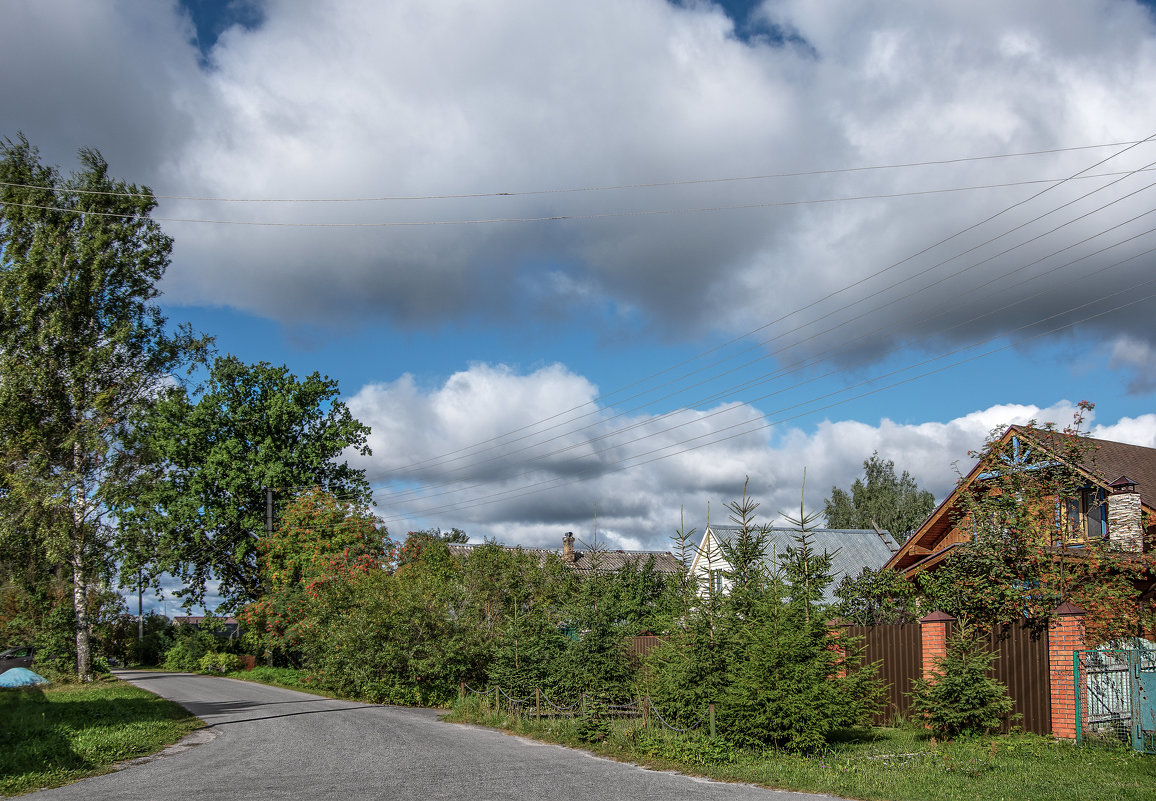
<point x="642" y="645"/>
<point x="898" y="649"/>
<point x="1023" y="667"/>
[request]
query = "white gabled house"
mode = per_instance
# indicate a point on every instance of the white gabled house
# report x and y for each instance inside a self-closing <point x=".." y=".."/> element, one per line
<point x="852" y="549"/>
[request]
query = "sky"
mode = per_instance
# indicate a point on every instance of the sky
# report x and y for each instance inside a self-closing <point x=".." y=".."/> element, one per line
<point x="592" y="266"/>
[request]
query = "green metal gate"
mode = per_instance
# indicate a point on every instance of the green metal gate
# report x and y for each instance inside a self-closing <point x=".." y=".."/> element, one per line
<point x="1115" y="690"/>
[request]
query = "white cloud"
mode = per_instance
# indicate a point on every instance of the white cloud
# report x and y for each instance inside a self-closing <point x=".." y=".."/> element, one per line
<point x="554" y="480"/>
<point x="337" y="99"/>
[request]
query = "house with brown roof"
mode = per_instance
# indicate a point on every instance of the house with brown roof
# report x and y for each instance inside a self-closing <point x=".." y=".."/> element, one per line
<point x="1116" y="504"/>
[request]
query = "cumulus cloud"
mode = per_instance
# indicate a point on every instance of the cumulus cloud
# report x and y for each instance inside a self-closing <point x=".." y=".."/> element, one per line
<point x="348" y="100"/>
<point x="444" y="456"/>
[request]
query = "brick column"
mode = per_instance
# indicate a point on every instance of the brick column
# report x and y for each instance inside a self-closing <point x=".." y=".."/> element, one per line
<point x="1065" y="634"/>
<point x="934" y="630"/>
<point x="835" y="630"/>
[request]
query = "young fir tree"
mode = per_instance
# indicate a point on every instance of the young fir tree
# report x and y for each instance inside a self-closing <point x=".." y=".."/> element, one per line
<point x="959" y="698"/>
<point x="787" y="685"/>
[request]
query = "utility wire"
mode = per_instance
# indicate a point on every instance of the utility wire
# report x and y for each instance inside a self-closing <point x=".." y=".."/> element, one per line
<point x="657" y="455"/>
<point x="439" y="461"/>
<point x="572" y="190"/>
<point x="606" y="396"/>
<point x="786" y="370"/>
<point x="567" y="217"/>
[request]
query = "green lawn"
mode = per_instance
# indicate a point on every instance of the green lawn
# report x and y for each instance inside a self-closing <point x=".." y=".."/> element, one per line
<point x="885" y="764"/>
<point x="57" y="734"/>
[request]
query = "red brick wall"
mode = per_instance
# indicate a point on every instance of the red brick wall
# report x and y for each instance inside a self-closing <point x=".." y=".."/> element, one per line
<point x="1065" y="634"/>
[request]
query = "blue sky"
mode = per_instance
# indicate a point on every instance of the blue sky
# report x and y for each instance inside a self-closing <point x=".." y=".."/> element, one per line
<point x="480" y="217"/>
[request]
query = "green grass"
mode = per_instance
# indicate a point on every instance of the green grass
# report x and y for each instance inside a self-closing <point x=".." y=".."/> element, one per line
<point x="887" y="764"/>
<point x="57" y="734"/>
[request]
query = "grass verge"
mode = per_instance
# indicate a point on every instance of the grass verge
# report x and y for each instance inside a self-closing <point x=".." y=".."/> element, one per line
<point x="902" y="764"/>
<point x="57" y="734"/>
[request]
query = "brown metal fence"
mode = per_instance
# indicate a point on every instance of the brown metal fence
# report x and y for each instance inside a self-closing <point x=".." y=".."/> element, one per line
<point x="640" y="646"/>
<point x="898" y="650"/>
<point x="1023" y="667"/>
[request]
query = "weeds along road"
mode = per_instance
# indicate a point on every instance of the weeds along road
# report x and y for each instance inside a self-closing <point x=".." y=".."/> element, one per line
<point x="267" y="743"/>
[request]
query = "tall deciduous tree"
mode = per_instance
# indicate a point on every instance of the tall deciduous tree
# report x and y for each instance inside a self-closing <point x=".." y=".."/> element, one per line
<point x="880" y="499"/>
<point x="83" y="350"/>
<point x="253" y="428"/>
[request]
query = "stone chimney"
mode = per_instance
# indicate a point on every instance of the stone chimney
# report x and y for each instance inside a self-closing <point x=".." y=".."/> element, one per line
<point x="568" y="547"/>
<point x="1125" y="518"/>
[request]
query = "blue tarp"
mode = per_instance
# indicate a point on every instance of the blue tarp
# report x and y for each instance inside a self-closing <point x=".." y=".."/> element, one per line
<point x="20" y="677"/>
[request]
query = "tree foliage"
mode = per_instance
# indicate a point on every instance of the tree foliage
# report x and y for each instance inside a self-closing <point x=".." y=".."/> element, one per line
<point x="83" y="351"/>
<point x="316" y="534"/>
<point x="877" y="597"/>
<point x="252" y="428"/>
<point x="880" y="499"/>
<point x="764" y="651"/>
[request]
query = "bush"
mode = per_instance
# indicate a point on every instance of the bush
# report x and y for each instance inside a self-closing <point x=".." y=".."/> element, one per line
<point x="215" y="662"/>
<point x="185" y="655"/>
<point x="959" y="699"/>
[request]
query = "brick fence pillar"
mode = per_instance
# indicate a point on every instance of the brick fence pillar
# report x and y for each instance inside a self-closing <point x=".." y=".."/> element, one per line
<point x="934" y="630"/>
<point x="835" y="630"/>
<point x="1065" y="634"/>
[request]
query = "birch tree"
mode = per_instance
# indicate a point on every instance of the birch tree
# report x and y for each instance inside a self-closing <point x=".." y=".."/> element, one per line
<point x="83" y="350"/>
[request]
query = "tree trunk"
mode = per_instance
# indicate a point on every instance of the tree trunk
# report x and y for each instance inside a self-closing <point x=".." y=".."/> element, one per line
<point x="80" y="607"/>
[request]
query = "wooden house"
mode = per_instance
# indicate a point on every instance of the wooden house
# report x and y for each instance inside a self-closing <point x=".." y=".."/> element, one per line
<point x="1114" y="504"/>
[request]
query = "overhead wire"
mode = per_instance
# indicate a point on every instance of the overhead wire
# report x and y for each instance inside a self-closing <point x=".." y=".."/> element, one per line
<point x="1054" y="229"/>
<point x="563" y="217"/>
<point x="799" y="310"/>
<point x="547" y="484"/>
<point x="602" y="188"/>
<point x="440" y="461"/>
<point x="779" y="373"/>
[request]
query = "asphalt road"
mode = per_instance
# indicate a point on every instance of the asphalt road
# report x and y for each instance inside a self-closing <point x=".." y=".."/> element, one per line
<point x="267" y="743"/>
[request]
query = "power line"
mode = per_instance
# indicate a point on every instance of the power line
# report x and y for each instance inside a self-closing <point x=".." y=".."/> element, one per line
<point x="442" y="459"/>
<point x="750" y="384"/>
<point x="572" y="190"/>
<point x="806" y="307"/>
<point x="622" y="465"/>
<point x="569" y="217"/>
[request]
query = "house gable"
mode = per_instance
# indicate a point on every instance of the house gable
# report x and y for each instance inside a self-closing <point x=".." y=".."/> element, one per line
<point x="1106" y="462"/>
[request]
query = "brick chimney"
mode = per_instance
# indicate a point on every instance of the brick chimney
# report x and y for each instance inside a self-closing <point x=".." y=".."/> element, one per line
<point x="568" y="547"/>
<point x="1125" y="518"/>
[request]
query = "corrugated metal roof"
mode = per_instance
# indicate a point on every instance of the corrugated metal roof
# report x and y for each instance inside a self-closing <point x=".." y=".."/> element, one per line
<point x="664" y="561"/>
<point x="852" y="549"/>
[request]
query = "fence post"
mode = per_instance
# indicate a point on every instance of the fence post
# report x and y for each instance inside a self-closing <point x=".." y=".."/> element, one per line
<point x="497" y="700"/>
<point x="711" y="712"/>
<point x="645" y="702"/>
<point x="462" y="692"/>
<point x="582" y="704"/>
<point x="1065" y="635"/>
<point x="538" y="702"/>
<point x="933" y="632"/>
